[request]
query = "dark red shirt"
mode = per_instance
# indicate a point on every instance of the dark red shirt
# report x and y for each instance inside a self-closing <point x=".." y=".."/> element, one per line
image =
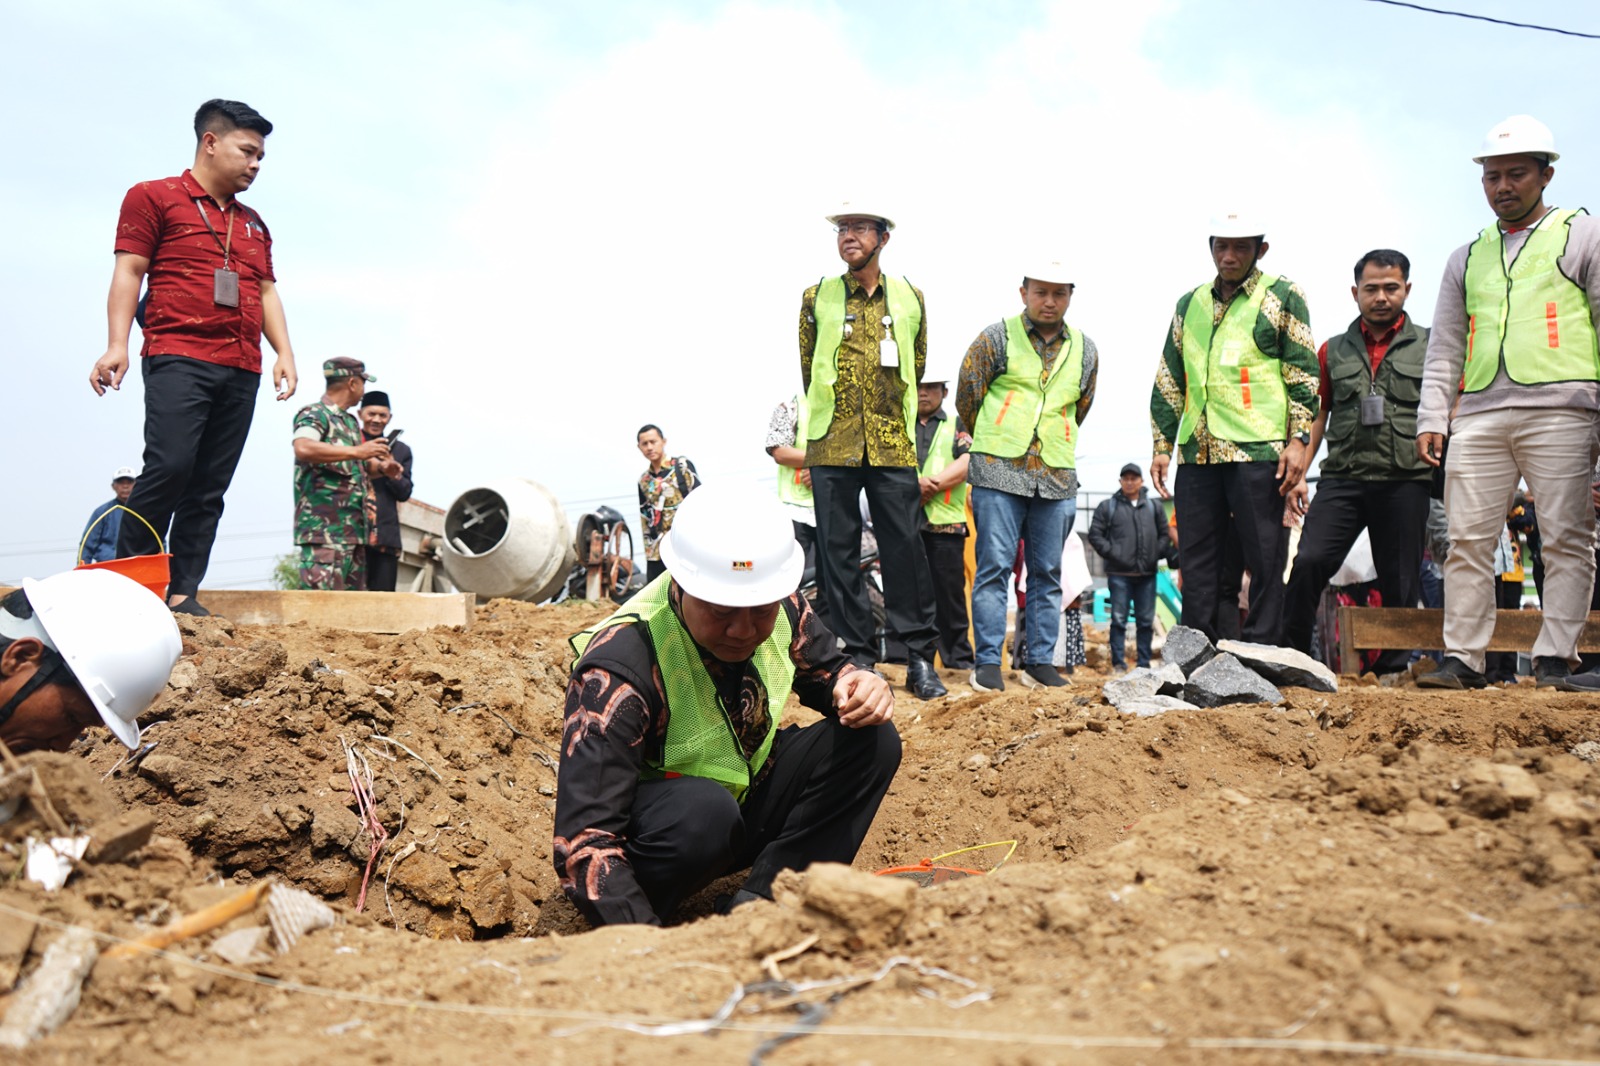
<point x="1377" y="348"/>
<point x="161" y="221"/>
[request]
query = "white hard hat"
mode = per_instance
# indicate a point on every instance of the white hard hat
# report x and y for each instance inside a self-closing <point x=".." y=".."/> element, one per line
<point x="850" y="210"/>
<point x="1051" y="272"/>
<point x="1236" y="224"/>
<point x="124" y="472"/>
<point x="117" y="637"/>
<point x="1519" y="135"/>
<point x="732" y="548"/>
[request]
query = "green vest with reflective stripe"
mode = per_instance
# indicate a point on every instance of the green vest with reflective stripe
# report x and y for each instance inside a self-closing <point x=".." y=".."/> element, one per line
<point x="700" y="740"/>
<point x="905" y="315"/>
<point x="790" y="488"/>
<point x="1023" y="403"/>
<point x="950" y="506"/>
<point x="1226" y="376"/>
<point x="1527" y="315"/>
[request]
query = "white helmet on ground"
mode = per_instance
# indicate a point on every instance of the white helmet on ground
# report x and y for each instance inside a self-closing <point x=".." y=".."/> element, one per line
<point x="733" y="548"/>
<point x="1236" y="224"/>
<point x="1519" y="135"/>
<point x="850" y="210"/>
<point x="1051" y="272"/>
<point x="116" y="636"/>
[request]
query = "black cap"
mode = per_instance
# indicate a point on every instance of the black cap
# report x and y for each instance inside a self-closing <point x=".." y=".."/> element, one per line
<point x="374" y="398"/>
<point x="1129" y="468"/>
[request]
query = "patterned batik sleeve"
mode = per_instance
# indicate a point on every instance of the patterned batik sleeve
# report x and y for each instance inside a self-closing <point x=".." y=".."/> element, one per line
<point x="780" y="430"/>
<point x="921" y="343"/>
<point x="1297" y="353"/>
<point x="1166" y="395"/>
<point x="602" y="752"/>
<point x="818" y="662"/>
<point x="808" y="334"/>
<point x="1091" y="377"/>
<point x="977" y="371"/>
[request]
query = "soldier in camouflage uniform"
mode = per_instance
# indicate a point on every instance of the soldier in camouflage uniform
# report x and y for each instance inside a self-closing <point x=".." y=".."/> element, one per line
<point x="333" y="499"/>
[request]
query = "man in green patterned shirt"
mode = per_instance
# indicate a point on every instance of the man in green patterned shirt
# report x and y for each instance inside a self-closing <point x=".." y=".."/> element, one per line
<point x="863" y="347"/>
<point x="1236" y="393"/>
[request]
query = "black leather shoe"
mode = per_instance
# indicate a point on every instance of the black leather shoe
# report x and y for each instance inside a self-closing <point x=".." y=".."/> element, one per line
<point x="1453" y="674"/>
<point x="986" y="678"/>
<point x="923" y="680"/>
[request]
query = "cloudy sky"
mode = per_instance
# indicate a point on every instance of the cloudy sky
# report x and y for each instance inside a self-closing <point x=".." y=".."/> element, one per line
<point x="542" y="225"/>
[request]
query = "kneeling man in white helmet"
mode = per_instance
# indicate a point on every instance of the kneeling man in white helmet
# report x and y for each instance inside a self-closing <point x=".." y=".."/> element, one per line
<point x="674" y="771"/>
<point x="81" y="649"/>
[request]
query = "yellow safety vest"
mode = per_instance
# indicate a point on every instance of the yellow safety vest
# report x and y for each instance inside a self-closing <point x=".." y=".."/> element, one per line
<point x="1527" y="315"/>
<point x="950" y="506"/>
<point x="701" y="741"/>
<point x="1023" y="403"/>
<point x="905" y="314"/>
<point x="790" y="488"/>
<point x="1227" y="376"/>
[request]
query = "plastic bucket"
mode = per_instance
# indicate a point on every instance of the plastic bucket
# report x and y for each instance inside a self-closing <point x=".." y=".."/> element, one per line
<point x="154" y="572"/>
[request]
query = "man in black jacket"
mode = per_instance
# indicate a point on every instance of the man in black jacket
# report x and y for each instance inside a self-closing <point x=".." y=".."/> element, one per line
<point x="383" y="552"/>
<point x="1129" y="532"/>
<point x="1372" y="478"/>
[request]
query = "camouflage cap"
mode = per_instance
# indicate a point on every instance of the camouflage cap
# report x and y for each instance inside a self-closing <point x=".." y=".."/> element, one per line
<point x="346" y="367"/>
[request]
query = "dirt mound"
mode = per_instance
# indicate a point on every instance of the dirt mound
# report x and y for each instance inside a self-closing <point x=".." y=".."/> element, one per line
<point x="1385" y="866"/>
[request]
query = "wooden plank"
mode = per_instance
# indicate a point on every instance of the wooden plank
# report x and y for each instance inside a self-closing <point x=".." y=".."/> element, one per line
<point x="1423" y="628"/>
<point x="362" y="612"/>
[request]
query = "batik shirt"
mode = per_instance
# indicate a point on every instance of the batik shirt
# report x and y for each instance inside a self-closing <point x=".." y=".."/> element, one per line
<point x="660" y="492"/>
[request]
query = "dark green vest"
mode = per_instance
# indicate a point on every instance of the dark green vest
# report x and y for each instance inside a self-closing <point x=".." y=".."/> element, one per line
<point x="1387" y="452"/>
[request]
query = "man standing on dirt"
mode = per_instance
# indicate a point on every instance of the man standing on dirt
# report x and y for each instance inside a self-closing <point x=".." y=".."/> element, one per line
<point x="1025" y="387"/>
<point x="1129" y="532"/>
<point x="211" y="296"/>
<point x="1372" y="479"/>
<point x="673" y="769"/>
<point x="863" y="347"/>
<point x="1513" y="377"/>
<point x="383" y="540"/>
<point x="1235" y="393"/>
<point x="662" y="487"/>
<point x="942" y="444"/>
<point x="100" y="535"/>
<point x="333" y="502"/>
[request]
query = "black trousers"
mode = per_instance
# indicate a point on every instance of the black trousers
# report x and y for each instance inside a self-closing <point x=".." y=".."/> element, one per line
<point x="383" y="569"/>
<point x="196" y="418"/>
<point x="815" y="805"/>
<point x="1395" y="516"/>
<point x="946" y="554"/>
<point x="807" y="537"/>
<point x="896" y="504"/>
<point x="1228" y="620"/>
<point x="1208" y="494"/>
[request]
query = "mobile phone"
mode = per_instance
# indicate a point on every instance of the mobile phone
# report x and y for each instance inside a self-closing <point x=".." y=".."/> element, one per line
<point x="394" y="435"/>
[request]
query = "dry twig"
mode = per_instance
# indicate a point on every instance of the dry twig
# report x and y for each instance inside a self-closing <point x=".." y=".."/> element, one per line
<point x="408" y="751"/>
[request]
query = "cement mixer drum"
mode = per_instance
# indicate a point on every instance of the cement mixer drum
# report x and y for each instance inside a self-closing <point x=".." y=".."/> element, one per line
<point x="509" y="538"/>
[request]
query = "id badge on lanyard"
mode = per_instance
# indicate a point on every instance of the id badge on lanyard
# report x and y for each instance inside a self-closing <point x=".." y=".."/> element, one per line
<point x="224" y="282"/>
<point x="888" y="349"/>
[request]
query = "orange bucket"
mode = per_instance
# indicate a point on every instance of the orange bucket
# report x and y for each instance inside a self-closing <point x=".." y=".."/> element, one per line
<point x="154" y="572"/>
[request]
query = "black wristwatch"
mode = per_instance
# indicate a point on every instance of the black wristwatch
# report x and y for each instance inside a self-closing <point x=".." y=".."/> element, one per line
<point x="1303" y="438"/>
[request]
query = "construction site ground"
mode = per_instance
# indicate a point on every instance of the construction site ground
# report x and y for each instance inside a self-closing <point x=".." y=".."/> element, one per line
<point x="1349" y="874"/>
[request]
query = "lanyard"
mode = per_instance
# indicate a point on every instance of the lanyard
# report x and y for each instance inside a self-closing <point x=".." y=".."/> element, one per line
<point x="226" y="248"/>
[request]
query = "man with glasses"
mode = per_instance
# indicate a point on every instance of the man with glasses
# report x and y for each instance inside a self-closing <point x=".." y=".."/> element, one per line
<point x="863" y="347"/>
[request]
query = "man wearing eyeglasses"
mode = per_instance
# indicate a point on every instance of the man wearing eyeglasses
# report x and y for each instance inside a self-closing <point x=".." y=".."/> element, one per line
<point x="863" y="347"/>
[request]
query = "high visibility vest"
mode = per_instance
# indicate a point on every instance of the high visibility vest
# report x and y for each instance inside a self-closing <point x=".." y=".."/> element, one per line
<point x="1023" y="403"/>
<point x="905" y="315"/>
<point x="790" y="488"/>
<point x="1527" y="315"/>
<point x="1226" y="376"/>
<point x="700" y="740"/>
<point x="950" y="506"/>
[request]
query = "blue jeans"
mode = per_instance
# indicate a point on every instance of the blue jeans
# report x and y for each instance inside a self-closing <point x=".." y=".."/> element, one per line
<point x="1142" y="591"/>
<point x="1002" y="520"/>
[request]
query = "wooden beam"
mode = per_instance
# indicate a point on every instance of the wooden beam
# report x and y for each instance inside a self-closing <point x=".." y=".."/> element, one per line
<point x="1423" y="628"/>
<point x="362" y="612"/>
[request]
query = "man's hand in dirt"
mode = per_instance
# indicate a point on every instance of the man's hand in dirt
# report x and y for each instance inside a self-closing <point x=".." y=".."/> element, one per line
<point x="1158" y="474"/>
<point x="109" y="370"/>
<point x="1292" y="466"/>
<point x="863" y="698"/>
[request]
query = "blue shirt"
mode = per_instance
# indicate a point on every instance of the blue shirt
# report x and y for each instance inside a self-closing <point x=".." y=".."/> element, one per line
<point x="101" y="544"/>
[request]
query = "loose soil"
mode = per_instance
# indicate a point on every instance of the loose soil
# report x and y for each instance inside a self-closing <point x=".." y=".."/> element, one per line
<point x="1385" y="868"/>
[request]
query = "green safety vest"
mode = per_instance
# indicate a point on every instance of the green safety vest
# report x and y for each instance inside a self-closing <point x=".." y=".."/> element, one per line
<point x="1533" y="319"/>
<point x="905" y="314"/>
<point x="1227" y="376"/>
<point x="950" y="506"/>
<point x="790" y="488"/>
<point x="700" y="740"/>
<point x="1023" y="403"/>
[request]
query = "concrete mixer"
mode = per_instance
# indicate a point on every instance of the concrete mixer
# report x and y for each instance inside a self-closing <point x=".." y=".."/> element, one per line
<point x="510" y="538"/>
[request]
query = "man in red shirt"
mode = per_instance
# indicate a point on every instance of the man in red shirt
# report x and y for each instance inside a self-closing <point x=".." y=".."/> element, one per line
<point x="211" y="296"/>
<point x="1372" y="478"/>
